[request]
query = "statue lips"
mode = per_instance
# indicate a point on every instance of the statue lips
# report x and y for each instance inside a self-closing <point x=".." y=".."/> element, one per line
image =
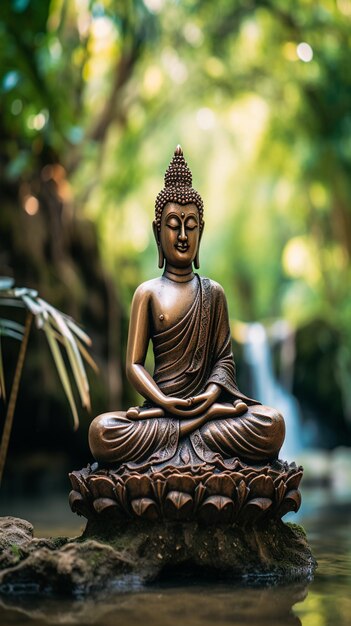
<point x="182" y="247"/>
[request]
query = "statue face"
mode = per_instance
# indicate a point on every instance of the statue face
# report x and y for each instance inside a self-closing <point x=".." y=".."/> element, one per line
<point x="180" y="233"/>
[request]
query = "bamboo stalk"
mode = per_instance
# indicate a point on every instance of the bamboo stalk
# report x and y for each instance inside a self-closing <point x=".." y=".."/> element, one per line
<point x="6" y="433"/>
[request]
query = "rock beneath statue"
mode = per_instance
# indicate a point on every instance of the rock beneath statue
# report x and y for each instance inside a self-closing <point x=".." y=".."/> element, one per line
<point x="136" y="553"/>
<point x="14" y="531"/>
<point x="243" y="494"/>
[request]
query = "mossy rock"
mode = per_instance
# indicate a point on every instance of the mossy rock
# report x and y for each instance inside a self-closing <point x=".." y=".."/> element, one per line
<point x="135" y="553"/>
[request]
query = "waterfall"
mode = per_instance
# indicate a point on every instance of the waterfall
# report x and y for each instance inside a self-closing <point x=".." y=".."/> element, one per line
<point x="268" y="389"/>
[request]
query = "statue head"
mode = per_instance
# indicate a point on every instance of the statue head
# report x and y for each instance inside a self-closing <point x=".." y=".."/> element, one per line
<point x="178" y="223"/>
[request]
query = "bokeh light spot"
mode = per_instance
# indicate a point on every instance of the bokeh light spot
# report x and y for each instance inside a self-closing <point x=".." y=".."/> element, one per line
<point x="10" y="80"/>
<point x="299" y="261"/>
<point x="37" y="122"/>
<point x="193" y="34"/>
<point x="16" y="107"/>
<point x="31" y="205"/>
<point x="304" y="52"/>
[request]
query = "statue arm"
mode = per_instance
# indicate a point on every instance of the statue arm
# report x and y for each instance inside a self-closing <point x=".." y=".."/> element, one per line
<point x="138" y="341"/>
<point x="223" y="368"/>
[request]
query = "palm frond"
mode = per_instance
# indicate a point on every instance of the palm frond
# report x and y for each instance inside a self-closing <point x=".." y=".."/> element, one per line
<point x="84" y="352"/>
<point x="62" y="371"/>
<point x="77" y="330"/>
<point x="8" y="332"/>
<point x="72" y="352"/>
<point x="10" y="324"/>
<point x="11" y="302"/>
<point x="58" y="327"/>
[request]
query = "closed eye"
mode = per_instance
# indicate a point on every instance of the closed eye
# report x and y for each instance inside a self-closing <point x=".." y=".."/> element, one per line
<point x="173" y="223"/>
<point x="191" y="223"/>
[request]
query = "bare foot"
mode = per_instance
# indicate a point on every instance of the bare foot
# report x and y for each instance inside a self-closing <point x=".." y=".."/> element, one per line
<point x="133" y="412"/>
<point x="240" y="407"/>
<point x="137" y="413"/>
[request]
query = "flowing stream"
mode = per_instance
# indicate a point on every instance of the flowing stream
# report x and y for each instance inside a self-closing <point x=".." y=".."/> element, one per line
<point x="269" y="390"/>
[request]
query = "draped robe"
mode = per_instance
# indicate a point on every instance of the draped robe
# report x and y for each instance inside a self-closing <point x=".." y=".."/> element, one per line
<point x="188" y="357"/>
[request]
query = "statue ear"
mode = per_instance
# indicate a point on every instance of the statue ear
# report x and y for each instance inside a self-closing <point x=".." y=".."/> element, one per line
<point x="197" y="259"/>
<point x="161" y="258"/>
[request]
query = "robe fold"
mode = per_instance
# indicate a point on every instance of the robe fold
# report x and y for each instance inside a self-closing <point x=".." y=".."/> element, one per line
<point x="188" y="357"/>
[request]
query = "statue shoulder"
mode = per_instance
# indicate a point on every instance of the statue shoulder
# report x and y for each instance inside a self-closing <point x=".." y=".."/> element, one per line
<point x="145" y="290"/>
<point x="215" y="287"/>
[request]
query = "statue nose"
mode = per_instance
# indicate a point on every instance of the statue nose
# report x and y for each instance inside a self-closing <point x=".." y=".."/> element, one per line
<point x="182" y="235"/>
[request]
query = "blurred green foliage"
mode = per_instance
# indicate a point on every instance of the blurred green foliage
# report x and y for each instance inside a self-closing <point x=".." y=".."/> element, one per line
<point x="96" y="94"/>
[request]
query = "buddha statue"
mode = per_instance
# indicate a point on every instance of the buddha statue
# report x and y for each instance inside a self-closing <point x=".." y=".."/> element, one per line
<point x="193" y="413"/>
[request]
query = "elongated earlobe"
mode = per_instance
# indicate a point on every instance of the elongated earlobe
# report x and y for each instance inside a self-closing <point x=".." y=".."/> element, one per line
<point x="197" y="257"/>
<point x="161" y="257"/>
<point x="197" y="260"/>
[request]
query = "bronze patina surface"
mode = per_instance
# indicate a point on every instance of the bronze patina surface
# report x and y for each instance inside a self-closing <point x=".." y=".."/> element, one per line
<point x="198" y="447"/>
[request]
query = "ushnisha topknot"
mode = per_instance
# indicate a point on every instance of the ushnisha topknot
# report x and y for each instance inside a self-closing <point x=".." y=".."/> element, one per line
<point x="178" y="188"/>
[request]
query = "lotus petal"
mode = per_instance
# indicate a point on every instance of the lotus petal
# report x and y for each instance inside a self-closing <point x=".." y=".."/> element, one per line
<point x="185" y="483"/>
<point x="249" y="476"/>
<point x="78" y="483"/>
<point x="145" y="508"/>
<point x="237" y="477"/>
<point x="199" y="495"/>
<point x="220" y="484"/>
<point x="104" y="504"/>
<point x="291" y="502"/>
<point x="241" y="493"/>
<point x="79" y="504"/>
<point x="282" y="477"/>
<point x="75" y="480"/>
<point x="101" y="486"/>
<point x="280" y="492"/>
<point x="158" y="476"/>
<point x="262" y="487"/>
<point x="139" y="486"/>
<point x="74" y="499"/>
<point x="294" y="480"/>
<point x="217" y="510"/>
<point x="254" y="509"/>
<point x="178" y="505"/>
<point x="159" y="487"/>
<point x="273" y="474"/>
<point x="121" y="497"/>
<point x="205" y="476"/>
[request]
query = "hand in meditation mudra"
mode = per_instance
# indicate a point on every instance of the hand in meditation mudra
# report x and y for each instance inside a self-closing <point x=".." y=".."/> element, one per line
<point x="194" y="412"/>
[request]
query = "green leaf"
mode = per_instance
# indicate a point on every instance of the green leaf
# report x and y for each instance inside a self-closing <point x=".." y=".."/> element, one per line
<point x="62" y="372"/>
<point x="87" y="357"/>
<point x="33" y="306"/>
<point x="84" y="352"/>
<point x="78" y="331"/>
<point x="72" y="353"/>
<point x="19" y="292"/>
